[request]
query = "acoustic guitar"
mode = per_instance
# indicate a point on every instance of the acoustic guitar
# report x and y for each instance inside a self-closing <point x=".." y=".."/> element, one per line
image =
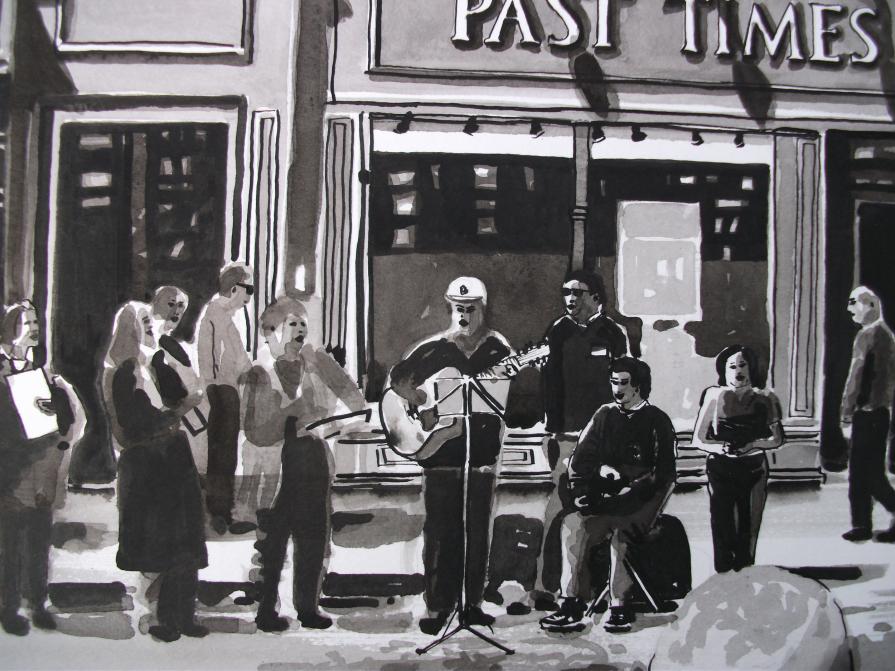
<point x="418" y="432"/>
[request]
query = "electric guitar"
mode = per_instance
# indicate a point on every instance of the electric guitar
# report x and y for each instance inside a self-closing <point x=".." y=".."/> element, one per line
<point x="418" y="432"/>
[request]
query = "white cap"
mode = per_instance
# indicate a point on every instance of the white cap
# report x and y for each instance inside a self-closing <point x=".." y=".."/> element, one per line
<point x="466" y="290"/>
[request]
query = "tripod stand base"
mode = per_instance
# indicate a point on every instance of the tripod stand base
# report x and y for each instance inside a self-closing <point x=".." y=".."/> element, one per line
<point x="456" y="630"/>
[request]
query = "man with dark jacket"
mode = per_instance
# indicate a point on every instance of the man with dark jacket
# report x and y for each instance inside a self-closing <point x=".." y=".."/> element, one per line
<point x="582" y="343"/>
<point x="620" y="474"/>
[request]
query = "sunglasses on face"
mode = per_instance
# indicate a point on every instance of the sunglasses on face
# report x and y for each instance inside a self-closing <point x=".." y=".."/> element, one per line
<point x="577" y="293"/>
<point x="249" y="289"/>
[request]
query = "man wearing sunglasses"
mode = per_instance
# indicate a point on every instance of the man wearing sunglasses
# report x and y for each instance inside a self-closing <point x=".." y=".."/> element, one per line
<point x="223" y="359"/>
<point x="583" y="342"/>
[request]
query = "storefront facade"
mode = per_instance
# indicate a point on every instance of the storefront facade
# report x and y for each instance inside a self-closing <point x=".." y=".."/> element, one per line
<point x="680" y="152"/>
<point x="160" y="152"/>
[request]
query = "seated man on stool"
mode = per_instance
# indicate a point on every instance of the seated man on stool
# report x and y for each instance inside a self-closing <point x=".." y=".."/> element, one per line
<point x="621" y="473"/>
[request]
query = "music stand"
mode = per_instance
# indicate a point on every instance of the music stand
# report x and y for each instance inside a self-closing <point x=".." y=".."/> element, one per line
<point x="466" y="386"/>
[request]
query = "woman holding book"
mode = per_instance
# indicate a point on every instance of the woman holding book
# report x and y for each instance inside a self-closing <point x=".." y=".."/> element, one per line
<point x="738" y="422"/>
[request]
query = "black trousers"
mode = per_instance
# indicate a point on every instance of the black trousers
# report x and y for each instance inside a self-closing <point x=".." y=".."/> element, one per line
<point x="443" y="535"/>
<point x="738" y="489"/>
<point x="302" y="510"/>
<point x="177" y="595"/>
<point x="867" y="467"/>
<point x="26" y="555"/>
<point x="223" y="440"/>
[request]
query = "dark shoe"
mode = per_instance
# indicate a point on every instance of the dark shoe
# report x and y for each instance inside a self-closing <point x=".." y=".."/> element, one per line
<point x="619" y="620"/>
<point x="42" y="619"/>
<point x="219" y="524"/>
<point x="492" y="595"/>
<point x="271" y="622"/>
<point x="887" y="536"/>
<point x="315" y="621"/>
<point x="14" y="624"/>
<point x="433" y="625"/>
<point x="569" y="617"/>
<point x="858" y="534"/>
<point x="475" y="615"/>
<point x="518" y="608"/>
<point x="194" y="630"/>
<point x="546" y="603"/>
<point x="163" y="632"/>
<point x="240" y="527"/>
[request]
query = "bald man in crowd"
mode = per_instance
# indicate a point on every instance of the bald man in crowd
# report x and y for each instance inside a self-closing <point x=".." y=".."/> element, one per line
<point x="864" y="415"/>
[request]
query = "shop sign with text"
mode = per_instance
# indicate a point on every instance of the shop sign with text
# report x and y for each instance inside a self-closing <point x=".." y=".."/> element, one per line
<point x="818" y="45"/>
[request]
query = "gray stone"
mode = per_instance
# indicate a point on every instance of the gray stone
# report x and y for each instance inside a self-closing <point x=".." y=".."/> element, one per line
<point x="762" y="617"/>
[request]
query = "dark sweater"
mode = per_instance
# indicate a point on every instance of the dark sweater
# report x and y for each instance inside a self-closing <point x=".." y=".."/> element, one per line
<point x="639" y="445"/>
<point x="576" y="375"/>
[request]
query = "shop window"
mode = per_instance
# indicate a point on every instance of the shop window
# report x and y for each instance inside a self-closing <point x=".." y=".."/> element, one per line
<point x="487" y="226"/>
<point x="455" y="203"/>
<point x="733" y="202"/>
<point x="659" y="260"/>
<point x="405" y="204"/>
<point x="90" y="142"/>
<point x="485" y="176"/>
<point x="96" y="179"/>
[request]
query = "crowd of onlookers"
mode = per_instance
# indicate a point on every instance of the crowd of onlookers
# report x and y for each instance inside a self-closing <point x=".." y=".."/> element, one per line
<point x="171" y="403"/>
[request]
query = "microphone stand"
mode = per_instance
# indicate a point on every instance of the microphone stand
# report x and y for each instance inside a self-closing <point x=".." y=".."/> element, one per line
<point x="461" y="612"/>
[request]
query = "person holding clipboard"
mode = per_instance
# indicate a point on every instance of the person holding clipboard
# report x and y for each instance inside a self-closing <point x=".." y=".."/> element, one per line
<point x="37" y="422"/>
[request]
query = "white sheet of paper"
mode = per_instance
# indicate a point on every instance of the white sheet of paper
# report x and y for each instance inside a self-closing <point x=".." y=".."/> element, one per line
<point x="25" y="388"/>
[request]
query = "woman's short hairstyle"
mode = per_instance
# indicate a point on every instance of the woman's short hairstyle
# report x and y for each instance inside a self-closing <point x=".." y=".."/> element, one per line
<point x="755" y="373"/>
<point x="12" y="320"/>
<point x="275" y="313"/>
<point x="641" y="376"/>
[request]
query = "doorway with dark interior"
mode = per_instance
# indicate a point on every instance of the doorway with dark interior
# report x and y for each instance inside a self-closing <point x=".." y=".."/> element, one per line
<point x="138" y="206"/>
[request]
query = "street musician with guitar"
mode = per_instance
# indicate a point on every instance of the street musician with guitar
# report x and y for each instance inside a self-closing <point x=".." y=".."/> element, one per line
<point x="466" y="349"/>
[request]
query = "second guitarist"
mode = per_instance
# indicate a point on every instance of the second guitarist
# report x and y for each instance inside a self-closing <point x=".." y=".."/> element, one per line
<point x="466" y="348"/>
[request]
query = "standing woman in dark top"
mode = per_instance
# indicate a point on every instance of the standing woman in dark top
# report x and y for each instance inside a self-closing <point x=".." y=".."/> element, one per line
<point x="161" y="525"/>
<point x="738" y="422"/>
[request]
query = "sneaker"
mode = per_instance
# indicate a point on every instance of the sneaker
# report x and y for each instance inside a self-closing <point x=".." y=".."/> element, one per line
<point x="475" y="615"/>
<point x="433" y="624"/>
<point x="619" y="620"/>
<point x="162" y="632"/>
<point x="271" y="622"/>
<point x="858" y="534"/>
<point x="887" y="536"/>
<point x="241" y="527"/>
<point x="314" y="621"/>
<point x="14" y="624"/>
<point x="42" y="619"/>
<point x="569" y="617"/>
<point x="194" y="630"/>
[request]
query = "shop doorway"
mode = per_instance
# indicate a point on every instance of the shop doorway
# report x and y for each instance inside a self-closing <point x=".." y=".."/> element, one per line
<point x="875" y="233"/>
<point x="138" y="206"/>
